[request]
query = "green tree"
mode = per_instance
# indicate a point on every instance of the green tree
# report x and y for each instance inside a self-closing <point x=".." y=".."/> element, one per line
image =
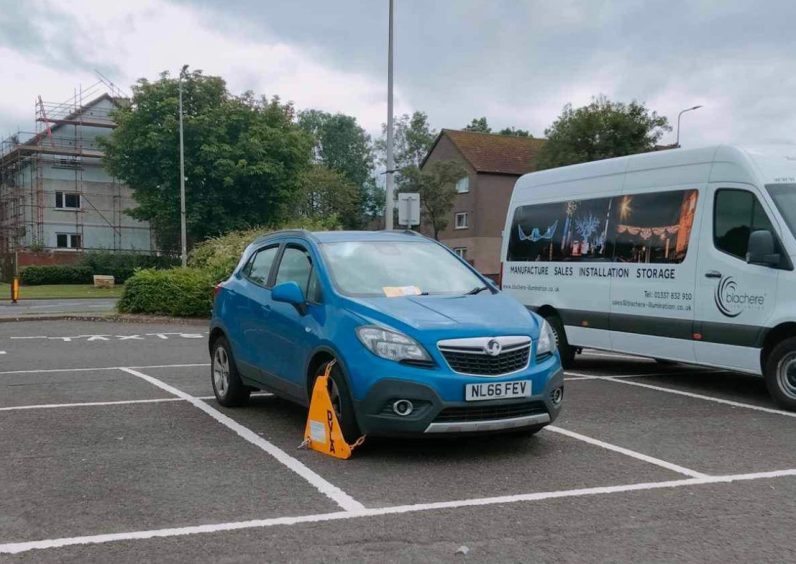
<point x="342" y="145"/>
<point x="436" y="184"/>
<point x="601" y="130"/>
<point x="328" y="193"/>
<point x="412" y="139"/>
<point x="513" y="132"/>
<point x="244" y="157"/>
<point x="479" y="125"/>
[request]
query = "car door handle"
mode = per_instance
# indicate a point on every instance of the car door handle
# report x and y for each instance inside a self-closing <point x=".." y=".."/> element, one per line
<point x="713" y="274"/>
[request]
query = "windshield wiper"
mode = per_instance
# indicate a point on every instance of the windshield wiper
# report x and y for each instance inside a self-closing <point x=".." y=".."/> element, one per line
<point x="476" y="290"/>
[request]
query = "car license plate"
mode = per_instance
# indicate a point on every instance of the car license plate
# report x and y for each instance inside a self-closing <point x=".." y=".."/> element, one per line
<point x="498" y="390"/>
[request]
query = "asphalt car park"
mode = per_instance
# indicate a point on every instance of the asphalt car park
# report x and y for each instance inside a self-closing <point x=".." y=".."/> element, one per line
<point x="114" y="449"/>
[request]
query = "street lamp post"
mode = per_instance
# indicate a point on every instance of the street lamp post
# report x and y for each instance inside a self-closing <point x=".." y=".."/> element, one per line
<point x="183" y="235"/>
<point x="388" y="219"/>
<point x="677" y="141"/>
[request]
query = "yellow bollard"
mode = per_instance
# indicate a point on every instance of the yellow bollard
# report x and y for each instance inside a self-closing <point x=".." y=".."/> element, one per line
<point x="322" y="432"/>
<point x="15" y="289"/>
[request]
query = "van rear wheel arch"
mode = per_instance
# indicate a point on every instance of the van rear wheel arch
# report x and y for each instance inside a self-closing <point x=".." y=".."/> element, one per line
<point x="551" y="315"/>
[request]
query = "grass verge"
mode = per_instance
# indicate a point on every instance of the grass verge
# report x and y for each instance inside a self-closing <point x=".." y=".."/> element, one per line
<point x="60" y="291"/>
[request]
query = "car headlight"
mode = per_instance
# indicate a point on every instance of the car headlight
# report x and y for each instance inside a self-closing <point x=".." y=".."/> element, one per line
<point x="391" y="344"/>
<point x="547" y="340"/>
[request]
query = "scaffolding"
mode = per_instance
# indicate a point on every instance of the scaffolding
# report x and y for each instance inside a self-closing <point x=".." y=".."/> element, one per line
<point x="63" y="145"/>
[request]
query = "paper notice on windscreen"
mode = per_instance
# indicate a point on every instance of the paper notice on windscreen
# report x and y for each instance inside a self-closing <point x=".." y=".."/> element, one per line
<point x="398" y="291"/>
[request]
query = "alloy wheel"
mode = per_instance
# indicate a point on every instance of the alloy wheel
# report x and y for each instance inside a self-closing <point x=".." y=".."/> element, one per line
<point x="221" y="371"/>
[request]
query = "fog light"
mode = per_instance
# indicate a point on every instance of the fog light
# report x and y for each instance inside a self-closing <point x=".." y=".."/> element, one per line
<point x="557" y="395"/>
<point x="403" y="407"/>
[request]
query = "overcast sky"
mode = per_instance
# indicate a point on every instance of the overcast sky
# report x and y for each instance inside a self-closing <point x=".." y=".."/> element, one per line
<point x="517" y="62"/>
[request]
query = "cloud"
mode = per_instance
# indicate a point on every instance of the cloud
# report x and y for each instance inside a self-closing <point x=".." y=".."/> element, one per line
<point x="515" y="62"/>
<point x="126" y="41"/>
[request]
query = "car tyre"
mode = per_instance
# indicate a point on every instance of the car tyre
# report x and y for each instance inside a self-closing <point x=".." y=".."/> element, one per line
<point x="230" y="391"/>
<point x="564" y="349"/>
<point x="341" y="402"/>
<point x="780" y="374"/>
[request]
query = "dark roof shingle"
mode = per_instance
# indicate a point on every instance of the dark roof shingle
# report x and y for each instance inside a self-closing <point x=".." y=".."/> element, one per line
<point x="496" y="154"/>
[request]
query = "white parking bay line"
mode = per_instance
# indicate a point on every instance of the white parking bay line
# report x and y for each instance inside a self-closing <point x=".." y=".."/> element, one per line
<point x="700" y="396"/>
<point x="87" y="404"/>
<point x="19" y="547"/>
<point x="330" y="490"/>
<point x="120" y="402"/>
<point x="628" y="452"/>
<point x="48" y="370"/>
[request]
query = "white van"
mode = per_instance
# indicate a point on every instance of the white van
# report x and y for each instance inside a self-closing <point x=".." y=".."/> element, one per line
<point x="680" y="255"/>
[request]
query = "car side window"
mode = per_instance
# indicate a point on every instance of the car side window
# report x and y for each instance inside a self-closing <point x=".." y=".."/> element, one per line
<point x="259" y="266"/>
<point x="295" y="266"/>
<point x="737" y="213"/>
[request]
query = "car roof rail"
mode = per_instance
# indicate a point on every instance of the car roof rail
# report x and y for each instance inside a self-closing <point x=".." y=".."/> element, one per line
<point x="303" y="232"/>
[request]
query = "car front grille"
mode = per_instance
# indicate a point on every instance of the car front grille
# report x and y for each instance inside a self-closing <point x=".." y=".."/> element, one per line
<point x="487" y="413"/>
<point x="468" y="356"/>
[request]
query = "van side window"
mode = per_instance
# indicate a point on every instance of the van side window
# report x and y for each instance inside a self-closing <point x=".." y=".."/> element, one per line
<point x="653" y="227"/>
<point x="736" y="214"/>
<point x="259" y="266"/>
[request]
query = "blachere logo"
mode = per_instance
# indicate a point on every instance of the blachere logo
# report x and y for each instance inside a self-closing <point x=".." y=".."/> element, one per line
<point x="732" y="302"/>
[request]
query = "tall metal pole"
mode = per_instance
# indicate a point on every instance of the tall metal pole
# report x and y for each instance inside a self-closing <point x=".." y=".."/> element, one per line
<point x="677" y="140"/>
<point x="388" y="213"/>
<point x="183" y="235"/>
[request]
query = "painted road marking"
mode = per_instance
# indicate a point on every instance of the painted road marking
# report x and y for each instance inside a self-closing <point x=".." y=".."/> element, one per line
<point x="581" y="376"/>
<point x="701" y="397"/>
<point x="120" y="402"/>
<point x="19" y="547"/>
<point x="628" y="452"/>
<point x="327" y="488"/>
<point x="116" y="338"/>
<point x="48" y="370"/>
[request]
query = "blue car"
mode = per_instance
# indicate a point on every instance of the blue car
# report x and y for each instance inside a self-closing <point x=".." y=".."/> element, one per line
<point x="422" y="343"/>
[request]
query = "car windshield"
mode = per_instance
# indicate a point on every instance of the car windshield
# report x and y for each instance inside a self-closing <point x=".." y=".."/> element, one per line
<point x="784" y="196"/>
<point x="396" y="268"/>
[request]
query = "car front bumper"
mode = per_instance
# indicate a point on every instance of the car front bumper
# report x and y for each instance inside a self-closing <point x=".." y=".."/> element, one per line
<point x="432" y="415"/>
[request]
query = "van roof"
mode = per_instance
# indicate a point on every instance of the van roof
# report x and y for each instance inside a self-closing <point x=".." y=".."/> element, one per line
<point x="762" y="164"/>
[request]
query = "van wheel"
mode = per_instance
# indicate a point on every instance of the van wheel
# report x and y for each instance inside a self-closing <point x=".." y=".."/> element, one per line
<point x="567" y="352"/>
<point x="780" y="374"/>
<point x="227" y="385"/>
<point x="341" y="402"/>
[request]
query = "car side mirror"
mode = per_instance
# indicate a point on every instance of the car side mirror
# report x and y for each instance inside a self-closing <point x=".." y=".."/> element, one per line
<point x="761" y="249"/>
<point x="290" y="293"/>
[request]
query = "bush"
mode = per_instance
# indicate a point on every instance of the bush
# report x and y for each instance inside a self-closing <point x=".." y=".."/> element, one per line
<point x="218" y="256"/>
<point x="179" y="292"/>
<point x="58" y="274"/>
<point x="122" y="265"/>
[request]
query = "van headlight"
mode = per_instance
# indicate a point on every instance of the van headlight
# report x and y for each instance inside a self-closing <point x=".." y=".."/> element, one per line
<point x="391" y="344"/>
<point x="547" y="340"/>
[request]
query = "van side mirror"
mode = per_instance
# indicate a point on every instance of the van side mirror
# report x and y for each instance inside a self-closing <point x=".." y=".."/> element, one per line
<point x="761" y="249"/>
<point x="290" y="293"/>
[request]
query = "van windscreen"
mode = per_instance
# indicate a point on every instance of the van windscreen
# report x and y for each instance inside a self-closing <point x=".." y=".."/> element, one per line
<point x="784" y="196"/>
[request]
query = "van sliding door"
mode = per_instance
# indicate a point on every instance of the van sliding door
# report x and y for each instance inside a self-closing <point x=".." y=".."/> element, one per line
<point x="652" y="292"/>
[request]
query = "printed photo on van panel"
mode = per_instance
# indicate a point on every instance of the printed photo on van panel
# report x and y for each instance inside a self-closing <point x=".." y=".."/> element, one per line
<point x="654" y="227"/>
<point x="575" y="230"/>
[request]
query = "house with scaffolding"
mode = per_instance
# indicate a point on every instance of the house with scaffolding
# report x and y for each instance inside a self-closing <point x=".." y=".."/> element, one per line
<point x="56" y="198"/>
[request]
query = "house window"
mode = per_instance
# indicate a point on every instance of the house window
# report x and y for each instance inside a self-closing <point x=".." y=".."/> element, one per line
<point x="463" y="185"/>
<point x="462" y="220"/>
<point x="67" y="200"/>
<point x="461" y="251"/>
<point x="67" y="241"/>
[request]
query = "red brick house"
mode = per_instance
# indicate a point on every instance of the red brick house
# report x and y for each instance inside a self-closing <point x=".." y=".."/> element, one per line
<point x="493" y="164"/>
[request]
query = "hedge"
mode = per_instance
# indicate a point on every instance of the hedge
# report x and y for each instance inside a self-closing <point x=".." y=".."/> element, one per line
<point x="179" y="292"/>
<point x="219" y="255"/>
<point x="58" y="274"/>
<point x="122" y="265"/>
